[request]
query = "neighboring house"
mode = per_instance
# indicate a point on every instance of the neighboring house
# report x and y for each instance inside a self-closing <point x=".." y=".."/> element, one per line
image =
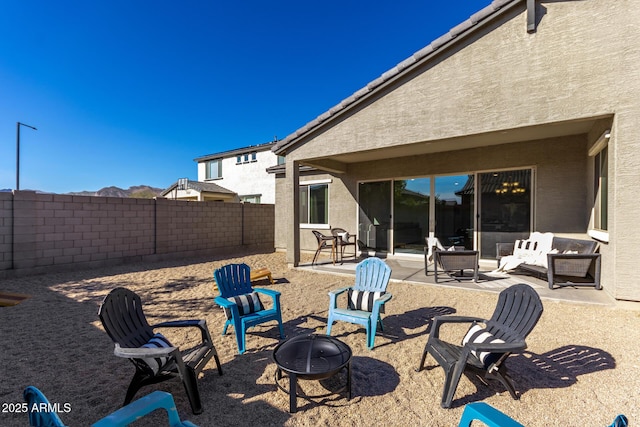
<point x="525" y="117"/>
<point x="244" y="171"/>
<point x="184" y="189"/>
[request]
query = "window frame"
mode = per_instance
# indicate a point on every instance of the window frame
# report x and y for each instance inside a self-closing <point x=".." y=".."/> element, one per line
<point x="307" y="185"/>
<point x="599" y="224"/>
<point x="207" y="169"/>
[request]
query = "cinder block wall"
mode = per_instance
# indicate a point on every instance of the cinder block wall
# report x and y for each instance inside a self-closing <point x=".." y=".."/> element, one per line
<point x="39" y="232"/>
<point x="6" y="227"/>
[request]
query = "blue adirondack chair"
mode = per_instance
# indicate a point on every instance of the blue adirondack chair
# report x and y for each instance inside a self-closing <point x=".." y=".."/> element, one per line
<point x="40" y="416"/>
<point x="238" y="298"/>
<point x="366" y="298"/>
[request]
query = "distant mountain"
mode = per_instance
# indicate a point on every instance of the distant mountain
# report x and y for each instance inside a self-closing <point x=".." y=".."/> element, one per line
<point x="137" y="191"/>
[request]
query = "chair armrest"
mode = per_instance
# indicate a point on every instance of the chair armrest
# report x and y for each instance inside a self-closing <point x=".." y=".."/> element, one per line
<point x="572" y="256"/>
<point x="338" y="291"/>
<point x="514" y="346"/>
<point x="143" y="353"/>
<point x="504" y="249"/>
<point x="383" y="299"/>
<point x="572" y="264"/>
<point x="438" y="321"/>
<point x="141" y="407"/>
<point x="197" y="323"/>
<point x="269" y="292"/>
<point x="377" y="303"/>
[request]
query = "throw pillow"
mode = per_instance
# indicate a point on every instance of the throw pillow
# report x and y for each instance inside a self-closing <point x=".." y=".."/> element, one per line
<point x="525" y="249"/>
<point x="155" y="363"/>
<point x="478" y="335"/>
<point x="363" y="300"/>
<point x="247" y="303"/>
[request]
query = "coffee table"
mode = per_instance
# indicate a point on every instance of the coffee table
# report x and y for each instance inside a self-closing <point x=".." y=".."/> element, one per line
<point x="311" y="357"/>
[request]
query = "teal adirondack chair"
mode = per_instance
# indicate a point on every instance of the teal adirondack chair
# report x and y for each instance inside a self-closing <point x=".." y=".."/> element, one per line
<point x="366" y="298"/>
<point x="124" y="416"/>
<point x="241" y="301"/>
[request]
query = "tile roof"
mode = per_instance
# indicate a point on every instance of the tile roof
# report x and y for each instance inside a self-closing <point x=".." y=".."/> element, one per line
<point x="231" y="153"/>
<point x="469" y="25"/>
<point x="208" y="187"/>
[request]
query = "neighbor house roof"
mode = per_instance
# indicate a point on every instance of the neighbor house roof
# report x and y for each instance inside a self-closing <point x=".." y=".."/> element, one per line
<point x="422" y="56"/>
<point x="236" y="151"/>
<point x="202" y="187"/>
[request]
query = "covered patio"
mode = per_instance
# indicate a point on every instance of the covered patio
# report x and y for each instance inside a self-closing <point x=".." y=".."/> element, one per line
<point x="411" y="271"/>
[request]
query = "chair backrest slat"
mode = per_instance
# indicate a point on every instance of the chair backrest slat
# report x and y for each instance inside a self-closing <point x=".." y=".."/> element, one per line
<point x="372" y="275"/>
<point x="518" y="310"/>
<point x="233" y="280"/>
<point x="123" y="318"/>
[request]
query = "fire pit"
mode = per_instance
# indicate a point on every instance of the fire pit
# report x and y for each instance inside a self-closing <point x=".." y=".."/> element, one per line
<point x="311" y="357"/>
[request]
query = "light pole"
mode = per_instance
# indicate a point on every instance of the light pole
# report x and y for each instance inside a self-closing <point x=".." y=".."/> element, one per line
<point x="18" y="124"/>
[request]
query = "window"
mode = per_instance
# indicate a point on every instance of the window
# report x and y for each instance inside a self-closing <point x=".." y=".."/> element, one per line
<point x="282" y="160"/>
<point x="238" y="159"/>
<point x="598" y="227"/>
<point x="601" y="177"/>
<point x="253" y="198"/>
<point x="314" y="204"/>
<point x="253" y="157"/>
<point x="213" y="169"/>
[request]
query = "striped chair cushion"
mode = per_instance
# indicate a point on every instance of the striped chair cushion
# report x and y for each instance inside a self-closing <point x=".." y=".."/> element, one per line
<point x="363" y="300"/>
<point x="157" y="341"/>
<point x="247" y="303"/>
<point x="477" y="334"/>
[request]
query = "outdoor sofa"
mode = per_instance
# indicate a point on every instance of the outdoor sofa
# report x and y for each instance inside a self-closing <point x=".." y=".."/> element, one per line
<point x="570" y="262"/>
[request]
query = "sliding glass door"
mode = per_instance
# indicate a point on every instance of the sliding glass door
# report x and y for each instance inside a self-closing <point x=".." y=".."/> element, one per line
<point x="505" y="208"/>
<point x="454" y="210"/>
<point x="410" y="214"/>
<point x="374" y="219"/>
<point x="397" y="215"/>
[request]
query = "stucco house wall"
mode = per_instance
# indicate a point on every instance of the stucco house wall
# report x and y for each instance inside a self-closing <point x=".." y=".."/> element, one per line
<point x="499" y="96"/>
<point x="248" y="178"/>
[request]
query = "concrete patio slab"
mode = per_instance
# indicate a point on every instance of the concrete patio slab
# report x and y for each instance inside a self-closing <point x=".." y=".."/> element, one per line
<point x="412" y="271"/>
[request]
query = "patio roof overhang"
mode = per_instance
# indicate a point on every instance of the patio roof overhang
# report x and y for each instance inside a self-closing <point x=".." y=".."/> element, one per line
<point x="338" y="162"/>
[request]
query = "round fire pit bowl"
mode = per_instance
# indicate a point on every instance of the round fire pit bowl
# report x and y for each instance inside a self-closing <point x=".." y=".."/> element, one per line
<point x="311" y="357"/>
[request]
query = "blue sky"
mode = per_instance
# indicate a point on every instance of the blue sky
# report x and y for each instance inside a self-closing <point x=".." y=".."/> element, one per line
<point x="129" y="92"/>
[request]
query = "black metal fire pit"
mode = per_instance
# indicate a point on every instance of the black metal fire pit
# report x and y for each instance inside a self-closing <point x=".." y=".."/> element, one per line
<point x="311" y="357"/>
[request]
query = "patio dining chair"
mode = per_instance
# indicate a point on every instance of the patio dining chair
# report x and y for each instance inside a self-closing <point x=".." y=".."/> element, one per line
<point x="241" y="302"/>
<point x="488" y="343"/>
<point x="154" y="357"/>
<point x="344" y="240"/>
<point x="324" y="242"/>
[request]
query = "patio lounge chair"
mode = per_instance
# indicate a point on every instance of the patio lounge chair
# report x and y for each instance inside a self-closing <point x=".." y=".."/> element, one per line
<point x="488" y="343"/>
<point x="241" y="302"/>
<point x="454" y="262"/>
<point x="366" y="298"/>
<point x="153" y="356"/>
<point x="120" y="418"/>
